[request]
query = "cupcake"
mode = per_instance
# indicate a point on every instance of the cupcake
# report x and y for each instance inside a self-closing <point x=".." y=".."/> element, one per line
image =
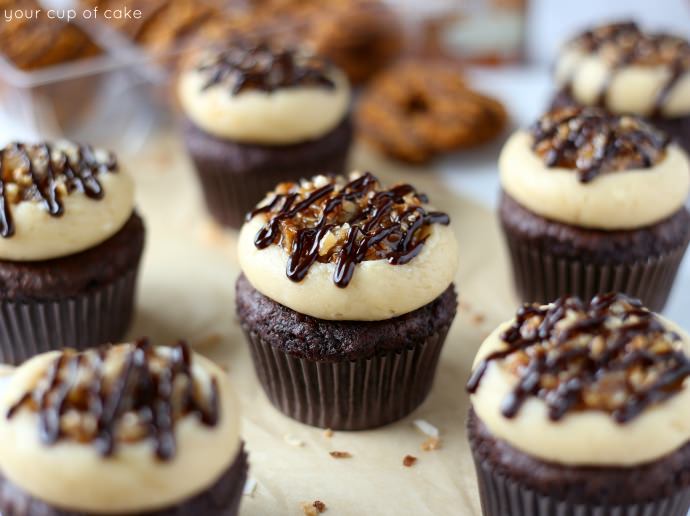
<point x="580" y="408"/>
<point x="346" y="298"/>
<point x="627" y="71"/>
<point x="70" y="246"/>
<point x="127" y="429"/>
<point x="593" y="202"/>
<point x="258" y="114"/>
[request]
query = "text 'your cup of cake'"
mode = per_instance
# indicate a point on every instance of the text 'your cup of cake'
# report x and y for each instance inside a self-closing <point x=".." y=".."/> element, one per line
<point x="128" y="429"/>
<point x="628" y="71"/>
<point x="256" y="114"/>
<point x="582" y="408"/>
<point x="594" y="202"/>
<point x="346" y="298"/>
<point x="70" y="246"/>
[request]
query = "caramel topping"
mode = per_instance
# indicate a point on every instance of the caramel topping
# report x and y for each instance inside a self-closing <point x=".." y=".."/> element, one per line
<point x="610" y="355"/>
<point x="260" y="66"/>
<point x="591" y="141"/>
<point x="121" y="394"/>
<point x="626" y="43"/>
<point x="330" y="220"/>
<point x="45" y="173"/>
<point x="623" y="44"/>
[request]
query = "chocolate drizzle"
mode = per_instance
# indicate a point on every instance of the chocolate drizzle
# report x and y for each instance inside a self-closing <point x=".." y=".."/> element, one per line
<point x="43" y="173"/>
<point x="260" y="66"/>
<point x="152" y="390"/>
<point x="610" y="354"/>
<point x="592" y="141"/>
<point x="623" y="44"/>
<point x="346" y="224"/>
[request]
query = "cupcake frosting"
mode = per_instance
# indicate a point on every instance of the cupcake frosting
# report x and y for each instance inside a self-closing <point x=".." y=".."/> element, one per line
<point x="341" y="248"/>
<point x="584" y="167"/>
<point x="59" y="198"/>
<point x="256" y="93"/>
<point x="619" y="67"/>
<point x="129" y="428"/>
<point x="599" y="383"/>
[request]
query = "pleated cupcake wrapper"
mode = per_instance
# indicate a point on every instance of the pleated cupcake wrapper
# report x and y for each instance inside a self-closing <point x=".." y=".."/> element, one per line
<point x="231" y="195"/>
<point x="502" y="496"/>
<point x="349" y="395"/>
<point x="235" y="482"/>
<point x="543" y="277"/>
<point x="99" y="316"/>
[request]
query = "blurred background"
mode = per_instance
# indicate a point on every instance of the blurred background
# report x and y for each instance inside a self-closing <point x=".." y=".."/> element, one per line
<point x="101" y="69"/>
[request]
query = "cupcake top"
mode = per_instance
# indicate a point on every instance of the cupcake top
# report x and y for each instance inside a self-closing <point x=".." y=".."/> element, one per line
<point x="159" y="424"/>
<point x="622" y="68"/>
<point x="264" y="93"/>
<point x="585" y="167"/>
<point x="603" y="382"/>
<point x="342" y="248"/>
<point x="59" y="198"/>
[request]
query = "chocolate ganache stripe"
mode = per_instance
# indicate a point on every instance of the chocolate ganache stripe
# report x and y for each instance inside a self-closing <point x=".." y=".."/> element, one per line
<point x="43" y="182"/>
<point x="592" y="141"/>
<point x="610" y="354"/>
<point x="377" y="224"/>
<point x="626" y="44"/>
<point x="147" y="393"/>
<point x="261" y="67"/>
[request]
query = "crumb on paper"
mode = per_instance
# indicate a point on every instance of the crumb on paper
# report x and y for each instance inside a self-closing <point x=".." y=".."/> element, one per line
<point x="431" y="444"/>
<point x="209" y="340"/>
<point x="313" y="509"/>
<point x="426" y="428"/>
<point x="293" y="441"/>
<point x="478" y="319"/>
<point x="341" y="455"/>
<point x="409" y="461"/>
<point x="249" y="487"/>
<point x="328" y="433"/>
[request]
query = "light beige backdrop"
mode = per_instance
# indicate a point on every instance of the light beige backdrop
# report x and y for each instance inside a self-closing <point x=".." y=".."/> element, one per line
<point x="187" y="291"/>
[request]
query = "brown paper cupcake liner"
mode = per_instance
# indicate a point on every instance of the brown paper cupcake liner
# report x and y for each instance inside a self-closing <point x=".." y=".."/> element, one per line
<point x="98" y="316"/>
<point x="350" y="395"/>
<point x="502" y="496"/>
<point x="230" y="196"/>
<point x="223" y="498"/>
<point x="543" y="277"/>
<point x="234" y="178"/>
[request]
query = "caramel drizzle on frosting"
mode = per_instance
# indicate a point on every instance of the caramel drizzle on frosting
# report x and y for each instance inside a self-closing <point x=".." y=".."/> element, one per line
<point x="44" y="173"/>
<point x="591" y="141"/>
<point x="610" y="354"/>
<point x="261" y="67"/>
<point x="361" y="221"/>
<point x="151" y="394"/>
<point x="624" y="44"/>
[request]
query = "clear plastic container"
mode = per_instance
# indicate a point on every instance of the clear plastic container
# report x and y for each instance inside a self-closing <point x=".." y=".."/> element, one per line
<point x="108" y="100"/>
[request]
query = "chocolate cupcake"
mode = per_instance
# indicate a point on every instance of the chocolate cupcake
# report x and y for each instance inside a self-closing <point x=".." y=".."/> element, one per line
<point x="627" y="71"/>
<point x="127" y="429"/>
<point x="581" y="408"/>
<point x="256" y="115"/>
<point x="593" y="202"/>
<point x="346" y="298"/>
<point x="70" y="246"/>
